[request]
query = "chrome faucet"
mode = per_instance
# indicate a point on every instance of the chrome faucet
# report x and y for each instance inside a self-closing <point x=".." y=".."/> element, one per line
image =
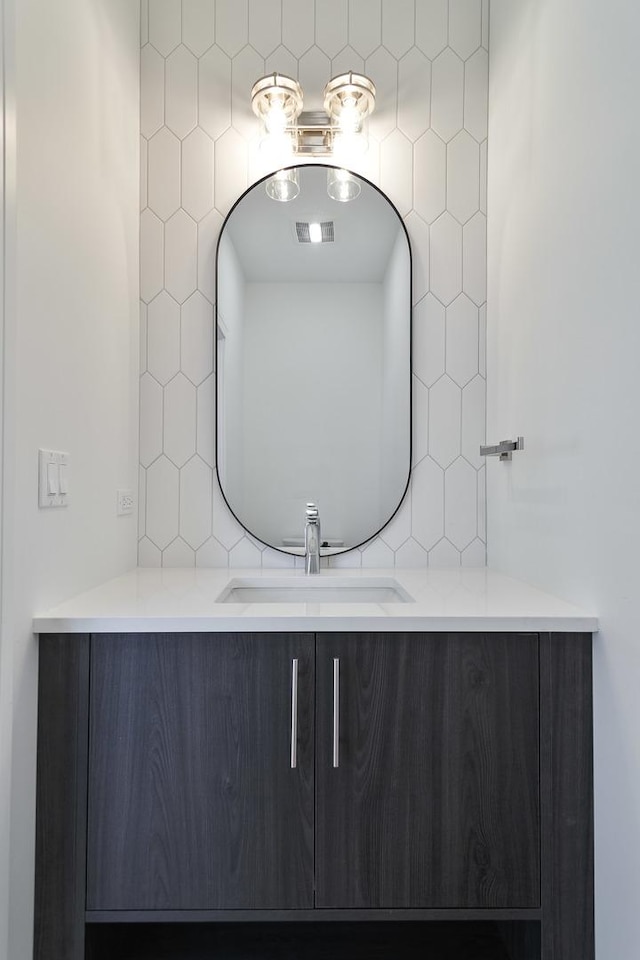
<point x="312" y="540"/>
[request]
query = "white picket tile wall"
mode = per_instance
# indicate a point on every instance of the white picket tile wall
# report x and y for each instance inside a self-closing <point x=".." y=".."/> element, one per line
<point x="428" y="152"/>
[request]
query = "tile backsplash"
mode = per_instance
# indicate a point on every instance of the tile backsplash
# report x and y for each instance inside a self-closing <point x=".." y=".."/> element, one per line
<point x="428" y="152"/>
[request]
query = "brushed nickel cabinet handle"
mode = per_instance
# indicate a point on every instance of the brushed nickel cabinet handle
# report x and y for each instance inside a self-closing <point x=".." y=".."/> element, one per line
<point x="294" y="714"/>
<point x="336" y="712"/>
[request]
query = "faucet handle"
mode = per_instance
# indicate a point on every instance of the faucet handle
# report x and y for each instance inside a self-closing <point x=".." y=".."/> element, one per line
<point x="312" y="511"/>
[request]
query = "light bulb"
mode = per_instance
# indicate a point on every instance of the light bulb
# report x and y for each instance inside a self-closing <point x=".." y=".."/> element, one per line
<point x="315" y="233"/>
<point x="349" y="118"/>
<point x="275" y="119"/>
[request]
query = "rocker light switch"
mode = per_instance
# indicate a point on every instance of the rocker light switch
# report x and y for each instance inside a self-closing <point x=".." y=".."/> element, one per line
<point x="63" y="479"/>
<point x="53" y="478"/>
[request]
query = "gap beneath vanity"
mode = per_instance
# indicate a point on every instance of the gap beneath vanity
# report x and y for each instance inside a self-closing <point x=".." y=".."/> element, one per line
<point x="438" y="940"/>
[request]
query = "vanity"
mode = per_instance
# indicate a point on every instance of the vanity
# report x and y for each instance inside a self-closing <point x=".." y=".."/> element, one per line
<point x="353" y="764"/>
<point x="301" y="777"/>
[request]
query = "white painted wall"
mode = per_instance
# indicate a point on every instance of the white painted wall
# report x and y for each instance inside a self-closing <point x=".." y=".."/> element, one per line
<point x="71" y="354"/>
<point x="7" y="192"/>
<point x="564" y="349"/>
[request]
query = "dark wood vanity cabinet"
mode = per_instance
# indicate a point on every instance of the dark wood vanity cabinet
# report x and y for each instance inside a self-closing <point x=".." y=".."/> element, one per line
<point x="319" y="778"/>
<point x="193" y="802"/>
<point x="434" y="802"/>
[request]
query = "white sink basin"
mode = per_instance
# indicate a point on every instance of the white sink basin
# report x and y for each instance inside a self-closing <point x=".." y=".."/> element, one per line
<point x="314" y="589"/>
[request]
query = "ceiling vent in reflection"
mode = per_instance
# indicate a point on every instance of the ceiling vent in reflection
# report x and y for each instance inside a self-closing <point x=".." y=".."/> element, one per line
<point x="315" y="232"/>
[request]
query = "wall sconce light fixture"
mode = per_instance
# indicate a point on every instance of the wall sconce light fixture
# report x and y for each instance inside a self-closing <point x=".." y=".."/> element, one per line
<point x="340" y="130"/>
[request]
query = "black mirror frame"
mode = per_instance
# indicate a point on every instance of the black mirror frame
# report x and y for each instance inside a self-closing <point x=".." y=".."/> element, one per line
<point x="252" y="186"/>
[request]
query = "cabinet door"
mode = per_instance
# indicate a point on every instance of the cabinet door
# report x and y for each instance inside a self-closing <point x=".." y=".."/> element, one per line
<point x="434" y="801"/>
<point x="193" y="799"/>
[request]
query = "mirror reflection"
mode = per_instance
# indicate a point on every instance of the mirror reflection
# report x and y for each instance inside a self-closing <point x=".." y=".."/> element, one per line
<point x="313" y="361"/>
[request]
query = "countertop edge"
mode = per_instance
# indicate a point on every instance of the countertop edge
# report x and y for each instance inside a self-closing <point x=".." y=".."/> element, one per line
<point x="316" y="624"/>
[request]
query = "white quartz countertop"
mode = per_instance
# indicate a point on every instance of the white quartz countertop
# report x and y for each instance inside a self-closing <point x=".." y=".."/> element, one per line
<point x="185" y="600"/>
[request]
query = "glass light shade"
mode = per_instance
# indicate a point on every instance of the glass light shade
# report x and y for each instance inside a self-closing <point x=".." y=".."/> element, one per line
<point x="342" y="185"/>
<point x="275" y="119"/>
<point x="347" y="147"/>
<point x="349" y="119"/>
<point x="283" y="185"/>
<point x="277" y="101"/>
<point x="277" y="150"/>
<point x="348" y="99"/>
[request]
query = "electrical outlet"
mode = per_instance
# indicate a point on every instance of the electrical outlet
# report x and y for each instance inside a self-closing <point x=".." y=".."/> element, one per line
<point x="125" y="503"/>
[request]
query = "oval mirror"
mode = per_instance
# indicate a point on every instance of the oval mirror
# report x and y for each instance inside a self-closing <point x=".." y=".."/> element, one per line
<point x="313" y="359"/>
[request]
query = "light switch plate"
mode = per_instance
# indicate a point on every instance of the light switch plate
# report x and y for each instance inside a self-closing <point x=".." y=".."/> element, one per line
<point x="53" y="477"/>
